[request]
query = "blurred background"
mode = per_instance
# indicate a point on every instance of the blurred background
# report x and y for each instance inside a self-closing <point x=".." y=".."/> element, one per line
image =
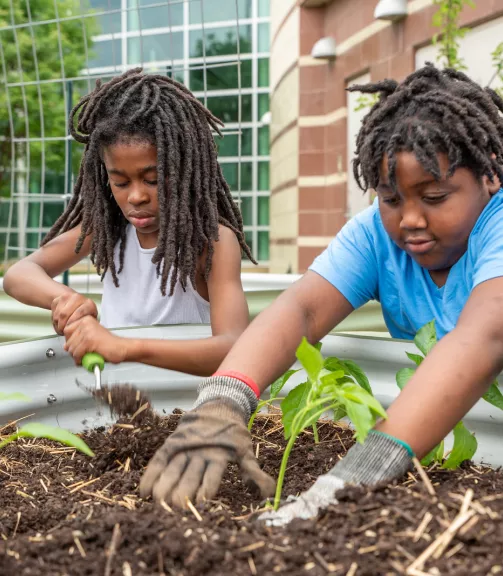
<point x="275" y="71"/>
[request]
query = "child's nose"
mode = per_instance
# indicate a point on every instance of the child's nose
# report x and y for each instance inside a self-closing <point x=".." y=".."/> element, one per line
<point x="138" y="195"/>
<point x="412" y="217"/>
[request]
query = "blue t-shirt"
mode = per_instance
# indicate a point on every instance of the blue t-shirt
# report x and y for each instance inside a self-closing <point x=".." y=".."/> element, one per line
<point x="364" y="264"/>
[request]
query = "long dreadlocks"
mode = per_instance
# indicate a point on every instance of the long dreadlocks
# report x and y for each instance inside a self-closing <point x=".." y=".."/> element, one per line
<point x="195" y="200"/>
<point x="431" y="111"/>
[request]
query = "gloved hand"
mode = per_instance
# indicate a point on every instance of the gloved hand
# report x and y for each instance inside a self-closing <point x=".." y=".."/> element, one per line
<point x="380" y="458"/>
<point x="193" y="459"/>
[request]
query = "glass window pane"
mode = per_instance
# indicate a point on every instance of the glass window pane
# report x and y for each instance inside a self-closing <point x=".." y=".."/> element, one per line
<point x="263" y="7"/>
<point x="263" y="246"/>
<point x="263" y="38"/>
<point x="228" y="145"/>
<point x="227" y="107"/>
<point x="249" y="241"/>
<point x="230" y="172"/>
<point x="263" y="175"/>
<point x="155" y="48"/>
<point x="221" y="77"/>
<point x="220" y="41"/>
<point x="108" y="23"/>
<point x="219" y="10"/>
<point x="263" y="141"/>
<point x="263" y="72"/>
<point x="107" y="53"/>
<point x="52" y="211"/>
<point x="246" y="176"/>
<point x="247" y="210"/>
<point x="263" y="210"/>
<point x="154" y="16"/>
<point x="263" y="104"/>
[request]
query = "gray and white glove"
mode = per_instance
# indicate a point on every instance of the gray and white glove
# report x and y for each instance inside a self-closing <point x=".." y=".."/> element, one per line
<point x="381" y="458"/>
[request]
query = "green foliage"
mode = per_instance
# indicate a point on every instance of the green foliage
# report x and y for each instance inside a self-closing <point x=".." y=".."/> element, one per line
<point x="497" y="59"/>
<point x="331" y="385"/>
<point x="35" y="430"/>
<point x="446" y="18"/>
<point x="366" y="101"/>
<point x="39" y="59"/>
<point x="465" y="443"/>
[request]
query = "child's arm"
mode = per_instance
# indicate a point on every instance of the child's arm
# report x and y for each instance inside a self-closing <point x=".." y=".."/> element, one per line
<point x="229" y="318"/>
<point x="31" y="279"/>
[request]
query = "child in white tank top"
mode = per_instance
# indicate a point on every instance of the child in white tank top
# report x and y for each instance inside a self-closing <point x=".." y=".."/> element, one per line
<point x="154" y="213"/>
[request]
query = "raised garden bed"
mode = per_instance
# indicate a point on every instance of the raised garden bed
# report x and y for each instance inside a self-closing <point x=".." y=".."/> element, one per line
<point x="64" y="513"/>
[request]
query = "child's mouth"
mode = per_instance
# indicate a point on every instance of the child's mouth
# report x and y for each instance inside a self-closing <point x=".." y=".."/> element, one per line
<point x="143" y="222"/>
<point x="419" y="246"/>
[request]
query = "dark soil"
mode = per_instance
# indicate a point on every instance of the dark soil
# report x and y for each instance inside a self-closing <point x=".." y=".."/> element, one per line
<point x="62" y="513"/>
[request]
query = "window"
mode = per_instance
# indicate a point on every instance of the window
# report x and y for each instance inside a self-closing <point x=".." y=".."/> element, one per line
<point x="228" y="145"/>
<point x="263" y="38"/>
<point x="263" y="7"/>
<point x="220" y="41"/>
<point x="219" y="10"/>
<point x="263" y="210"/>
<point x="230" y="172"/>
<point x="263" y="105"/>
<point x="155" y="48"/>
<point x="247" y="210"/>
<point x="227" y="107"/>
<point x="263" y="72"/>
<point x="249" y="241"/>
<point x="263" y="175"/>
<point x="148" y="15"/>
<point x="107" y="23"/>
<point x="221" y="77"/>
<point x="263" y="246"/>
<point x="263" y="141"/>
<point x="107" y="53"/>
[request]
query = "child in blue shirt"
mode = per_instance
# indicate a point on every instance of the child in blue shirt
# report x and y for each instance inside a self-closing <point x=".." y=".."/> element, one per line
<point x="430" y="247"/>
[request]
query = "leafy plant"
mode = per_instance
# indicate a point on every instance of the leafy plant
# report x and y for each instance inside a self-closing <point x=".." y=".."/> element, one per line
<point x="465" y="443"/>
<point x="331" y="385"/>
<point x="366" y="101"/>
<point x="34" y="430"/>
<point x="497" y="59"/>
<point x="446" y="18"/>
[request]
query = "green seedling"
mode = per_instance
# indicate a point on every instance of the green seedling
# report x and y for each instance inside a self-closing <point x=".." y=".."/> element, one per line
<point x="35" y="430"/>
<point x="332" y="385"/>
<point x="465" y="444"/>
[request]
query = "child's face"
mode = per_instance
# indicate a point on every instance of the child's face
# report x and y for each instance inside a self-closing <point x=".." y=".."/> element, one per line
<point x="132" y="171"/>
<point x="432" y="220"/>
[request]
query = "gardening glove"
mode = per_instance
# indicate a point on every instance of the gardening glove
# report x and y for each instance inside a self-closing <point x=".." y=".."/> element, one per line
<point x="192" y="461"/>
<point x="381" y="458"/>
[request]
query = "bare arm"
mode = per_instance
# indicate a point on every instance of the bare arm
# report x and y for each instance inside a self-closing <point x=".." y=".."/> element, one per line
<point x="31" y="279"/>
<point x="229" y="317"/>
<point x="311" y="307"/>
<point x="454" y="376"/>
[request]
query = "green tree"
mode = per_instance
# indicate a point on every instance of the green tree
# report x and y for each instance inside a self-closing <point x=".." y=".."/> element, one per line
<point x="31" y="54"/>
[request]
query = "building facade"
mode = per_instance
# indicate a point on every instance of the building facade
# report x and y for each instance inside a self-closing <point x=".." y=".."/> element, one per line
<point x="315" y="120"/>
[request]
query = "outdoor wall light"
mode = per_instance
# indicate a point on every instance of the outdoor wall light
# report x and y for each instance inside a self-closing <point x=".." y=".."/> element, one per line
<point x="391" y="10"/>
<point x="324" y="49"/>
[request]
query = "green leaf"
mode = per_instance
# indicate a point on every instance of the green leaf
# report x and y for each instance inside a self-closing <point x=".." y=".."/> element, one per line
<point x="362" y="419"/>
<point x="318" y="346"/>
<point x="311" y="359"/>
<point x="436" y="455"/>
<point x="58" y="434"/>
<point x="332" y="363"/>
<point x="14" y="396"/>
<point x="465" y="446"/>
<point x="355" y="393"/>
<point x="358" y="374"/>
<point x="294" y="401"/>
<point x="416" y="358"/>
<point x="277" y="386"/>
<point x="426" y="337"/>
<point x="494" y="396"/>
<point x="403" y="376"/>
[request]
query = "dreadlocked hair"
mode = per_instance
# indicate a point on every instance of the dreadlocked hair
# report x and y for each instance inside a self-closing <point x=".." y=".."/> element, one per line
<point x="432" y="111"/>
<point x="196" y="198"/>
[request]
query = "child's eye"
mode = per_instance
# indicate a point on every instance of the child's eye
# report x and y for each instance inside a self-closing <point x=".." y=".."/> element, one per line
<point x="151" y="182"/>
<point x="392" y="201"/>
<point x="435" y="199"/>
<point x="120" y="185"/>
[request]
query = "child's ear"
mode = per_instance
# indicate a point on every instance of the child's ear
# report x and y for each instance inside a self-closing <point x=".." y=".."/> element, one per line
<point x="493" y="186"/>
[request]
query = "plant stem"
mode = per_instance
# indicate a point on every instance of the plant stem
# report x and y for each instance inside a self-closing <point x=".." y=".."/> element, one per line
<point x="315" y="432"/>
<point x="254" y="415"/>
<point x="9" y="439"/>
<point x="281" y="476"/>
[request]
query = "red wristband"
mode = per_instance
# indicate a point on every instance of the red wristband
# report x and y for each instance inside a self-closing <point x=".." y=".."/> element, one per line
<point x="245" y="379"/>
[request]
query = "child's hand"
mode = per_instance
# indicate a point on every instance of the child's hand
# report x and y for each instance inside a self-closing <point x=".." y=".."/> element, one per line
<point x="88" y="335"/>
<point x="70" y="307"/>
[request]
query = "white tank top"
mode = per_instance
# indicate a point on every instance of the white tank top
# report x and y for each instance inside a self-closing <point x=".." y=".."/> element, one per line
<point x="138" y="300"/>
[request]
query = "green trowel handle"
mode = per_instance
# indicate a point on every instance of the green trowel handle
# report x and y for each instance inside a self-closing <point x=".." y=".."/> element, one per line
<point x="91" y="359"/>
